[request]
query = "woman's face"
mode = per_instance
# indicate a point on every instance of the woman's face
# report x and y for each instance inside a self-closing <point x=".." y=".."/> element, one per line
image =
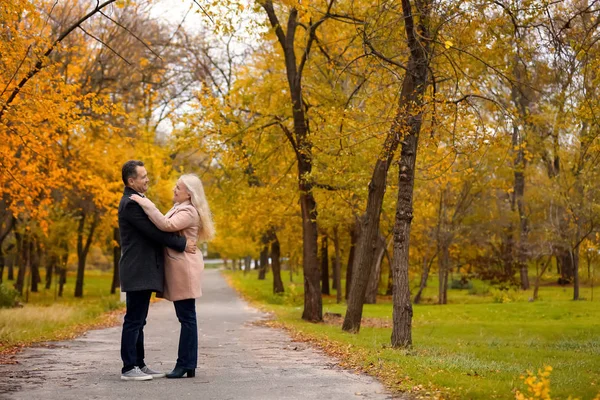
<point x="180" y="193"/>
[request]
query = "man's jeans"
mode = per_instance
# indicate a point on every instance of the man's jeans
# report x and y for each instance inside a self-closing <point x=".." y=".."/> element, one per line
<point x="187" y="355"/>
<point x="132" y="337"/>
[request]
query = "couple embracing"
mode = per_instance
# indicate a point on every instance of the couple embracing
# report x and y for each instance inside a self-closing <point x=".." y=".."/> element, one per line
<point x="158" y="254"/>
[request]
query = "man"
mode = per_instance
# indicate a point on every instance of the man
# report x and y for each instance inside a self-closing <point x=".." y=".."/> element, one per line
<point x="141" y="269"/>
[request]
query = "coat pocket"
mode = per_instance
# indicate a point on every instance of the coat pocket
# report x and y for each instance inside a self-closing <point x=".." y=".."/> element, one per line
<point x="174" y="254"/>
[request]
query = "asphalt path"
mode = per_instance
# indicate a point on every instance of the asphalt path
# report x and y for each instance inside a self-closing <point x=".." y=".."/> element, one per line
<point x="237" y="360"/>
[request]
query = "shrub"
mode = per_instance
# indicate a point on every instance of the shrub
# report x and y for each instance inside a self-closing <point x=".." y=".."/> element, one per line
<point x="291" y="296"/>
<point x="462" y="283"/>
<point x="479" y="288"/>
<point x="538" y="386"/>
<point x="8" y="297"/>
<point x="112" y="304"/>
<point x="503" y="296"/>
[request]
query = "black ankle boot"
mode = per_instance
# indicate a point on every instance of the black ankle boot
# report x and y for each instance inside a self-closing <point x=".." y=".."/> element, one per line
<point x="179" y="372"/>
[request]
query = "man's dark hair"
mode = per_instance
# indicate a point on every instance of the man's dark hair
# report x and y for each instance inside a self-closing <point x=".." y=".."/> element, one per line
<point x="129" y="170"/>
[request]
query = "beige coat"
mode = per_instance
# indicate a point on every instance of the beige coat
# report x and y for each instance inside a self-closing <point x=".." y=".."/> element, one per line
<point x="183" y="271"/>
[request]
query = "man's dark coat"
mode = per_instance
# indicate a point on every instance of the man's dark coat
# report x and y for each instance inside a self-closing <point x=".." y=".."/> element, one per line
<point x="142" y="247"/>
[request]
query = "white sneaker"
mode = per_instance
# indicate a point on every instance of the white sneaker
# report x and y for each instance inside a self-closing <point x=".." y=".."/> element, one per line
<point x="135" y="374"/>
<point x="155" y="374"/>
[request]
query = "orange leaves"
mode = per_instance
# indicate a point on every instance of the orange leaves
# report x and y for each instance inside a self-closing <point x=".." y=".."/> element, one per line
<point x="538" y="386"/>
<point x="54" y="137"/>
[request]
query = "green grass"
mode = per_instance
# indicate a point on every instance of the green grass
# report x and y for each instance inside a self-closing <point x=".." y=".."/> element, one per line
<point x="46" y="317"/>
<point x="474" y="348"/>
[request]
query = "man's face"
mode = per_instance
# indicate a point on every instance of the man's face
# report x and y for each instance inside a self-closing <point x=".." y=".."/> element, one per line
<point x="140" y="182"/>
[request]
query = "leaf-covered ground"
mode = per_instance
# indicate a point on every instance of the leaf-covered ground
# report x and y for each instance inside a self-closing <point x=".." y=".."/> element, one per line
<point x="477" y="351"/>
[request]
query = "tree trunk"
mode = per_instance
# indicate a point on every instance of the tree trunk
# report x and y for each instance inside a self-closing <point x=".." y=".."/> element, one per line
<point x="442" y="242"/>
<point x="35" y="265"/>
<point x="22" y="246"/>
<point x="116" y="260"/>
<point x="424" y="276"/>
<point x="276" y="265"/>
<point x="313" y="304"/>
<point x="522" y="104"/>
<point x="334" y="278"/>
<point x="264" y="258"/>
<point x="565" y="263"/>
<point x="402" y="308"/>
<point x="579" y="188"/>
<point x="324" y="266"/>
<point x="538" y="278"/>
<point x="302" y="146"/>
<point x="13" y="260"/>
<point x="28" y="255"/>
<point x="11" y="269"/>
<point x="5" y="229"/>
<point x="83" y="249"/>
<point x="519" y="202"/>
<point x="62" y="280"/>
<point x="50" y="267"/>
<point x="373" y="285"/>
<point x="390" y="285"/>
<point x="1" y="263"/>
<point x="337" y="265"/>
<point x="369" y="231"/>
<point x="443" y="266"/>
<point x="575" y="254"/>
<point x="354" y="233"/>
<point x="589" y="263"/>
<point x="410" y="116"/>
<point x="6" y="225"/>
<point x="524" y="275"/>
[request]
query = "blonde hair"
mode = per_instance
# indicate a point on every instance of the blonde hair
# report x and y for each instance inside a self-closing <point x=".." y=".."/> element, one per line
<point x="194" y="187"/>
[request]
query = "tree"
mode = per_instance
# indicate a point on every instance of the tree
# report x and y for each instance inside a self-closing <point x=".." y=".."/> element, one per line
<point x="299" y="139"/>
<point x="276" y="265"/>
<point x="7" y="223"/>
<point x="116" y="259"/>
<point x="324" y="266"/>
<point x="405" y="130"/>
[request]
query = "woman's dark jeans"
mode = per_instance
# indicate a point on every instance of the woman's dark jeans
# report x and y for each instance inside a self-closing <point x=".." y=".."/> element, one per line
<point x="187" y="355"/>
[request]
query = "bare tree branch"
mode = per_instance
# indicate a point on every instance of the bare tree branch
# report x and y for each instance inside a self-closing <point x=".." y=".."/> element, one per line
<point x="204" y="11"/>
<point x="105" y="45"/>
<point x="131" y="33"/>
<point x="312" y="34"/>
<point x="39" y="65"/>
<point x="289" y="135"/>
<point x="381" y="56"/>
<point x="16" y="72"/>
<point x="268" y="6"/>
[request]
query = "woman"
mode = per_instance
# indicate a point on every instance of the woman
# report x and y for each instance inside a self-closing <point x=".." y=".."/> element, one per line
<point x="190" y="216"/>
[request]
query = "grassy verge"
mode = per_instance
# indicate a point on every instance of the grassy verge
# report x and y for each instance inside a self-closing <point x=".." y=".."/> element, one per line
<point x="476" y="350"/>
<point x="46" y="317"/>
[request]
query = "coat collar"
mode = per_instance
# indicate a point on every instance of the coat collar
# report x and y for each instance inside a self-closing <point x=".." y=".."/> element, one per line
<point x="176" y="207"/>
<point x="183" y="203"/>
<point x="129" y="191"/>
